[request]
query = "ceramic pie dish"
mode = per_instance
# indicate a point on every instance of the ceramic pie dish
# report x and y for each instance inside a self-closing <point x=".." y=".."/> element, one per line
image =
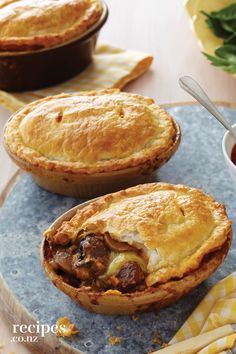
<point x="138" y="249"/>
<point x="45" y="42"/>
<point x="88" y="144"/>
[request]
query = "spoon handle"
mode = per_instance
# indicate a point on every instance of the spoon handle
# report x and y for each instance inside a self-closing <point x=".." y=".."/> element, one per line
<point x="188" y="84"/>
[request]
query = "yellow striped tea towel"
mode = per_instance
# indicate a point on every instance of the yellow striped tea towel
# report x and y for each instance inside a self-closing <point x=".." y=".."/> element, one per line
<point x="112" y="67"/>
<point x="218" y="308"/>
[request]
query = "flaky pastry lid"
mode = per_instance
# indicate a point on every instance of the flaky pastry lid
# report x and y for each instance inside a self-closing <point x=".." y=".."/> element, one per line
<point x="176" y="226"/>
<point x="90" y="132"/>
<point x="35" y="24"/>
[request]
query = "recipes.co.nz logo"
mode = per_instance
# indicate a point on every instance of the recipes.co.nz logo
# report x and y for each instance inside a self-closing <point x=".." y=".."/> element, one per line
<point x="32" y="332"/>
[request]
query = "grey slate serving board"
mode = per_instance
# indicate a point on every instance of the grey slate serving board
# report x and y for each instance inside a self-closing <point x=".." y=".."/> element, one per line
<point x="29" y="210"/>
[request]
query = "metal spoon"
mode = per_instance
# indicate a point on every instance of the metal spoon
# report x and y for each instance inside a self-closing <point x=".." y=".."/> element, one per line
<point x="188" y="84"/>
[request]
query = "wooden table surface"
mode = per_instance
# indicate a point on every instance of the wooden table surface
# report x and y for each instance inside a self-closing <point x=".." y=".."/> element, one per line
<point x="159" y="27"/>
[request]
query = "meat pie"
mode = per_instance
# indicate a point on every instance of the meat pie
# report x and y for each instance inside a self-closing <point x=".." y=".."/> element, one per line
<point x="137" y="249"/>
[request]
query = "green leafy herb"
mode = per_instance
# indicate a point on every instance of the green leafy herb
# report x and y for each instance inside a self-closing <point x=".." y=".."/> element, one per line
<point x="226" y="14"/>
<point x="225" y="58"/>
<point x="217" y="28"/>
<point x="223" y="24"/>
<point x="215" y="25"/>
<point x="228" y="26"/>
<point x="227" y="52"/>
<point x="216" y="61"/>
<point x="231" y="40"/>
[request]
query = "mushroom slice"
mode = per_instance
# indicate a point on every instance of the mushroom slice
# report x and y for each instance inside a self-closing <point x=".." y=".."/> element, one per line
<point x="116" y="245"/>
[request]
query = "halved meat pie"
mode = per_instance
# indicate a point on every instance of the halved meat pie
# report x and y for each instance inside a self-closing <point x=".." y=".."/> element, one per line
<point x="136" y="249"/>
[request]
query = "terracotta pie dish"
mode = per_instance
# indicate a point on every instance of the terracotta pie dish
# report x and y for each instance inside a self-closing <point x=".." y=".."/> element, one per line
<point x="138" y="249"/>
<point x="92" y="143"/>
<point x="44" y="42"/>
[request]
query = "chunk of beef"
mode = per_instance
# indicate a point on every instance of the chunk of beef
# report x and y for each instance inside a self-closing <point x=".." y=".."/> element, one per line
<point x="93" y="255"/>
<point x="94" y="246"/>
<point x="130" y="275"/>
<point x="63" y="258"/>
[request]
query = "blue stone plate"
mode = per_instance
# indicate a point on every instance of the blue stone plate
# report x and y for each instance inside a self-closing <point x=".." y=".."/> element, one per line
<point x="29" y="210"/>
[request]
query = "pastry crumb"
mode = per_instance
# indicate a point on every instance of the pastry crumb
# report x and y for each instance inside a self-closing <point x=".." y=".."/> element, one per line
<point x="113" y="292"/>
<point x="65" y="328"/>
<point x="157" y="339"/>
<point x="134" y="318"/>
<point x="164" y="345"/>
<point x="119" y="328"/>
<point x="113" y="340"/>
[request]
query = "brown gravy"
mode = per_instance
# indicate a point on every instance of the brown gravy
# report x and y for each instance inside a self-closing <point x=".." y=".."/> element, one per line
<point x="233" y="154"/>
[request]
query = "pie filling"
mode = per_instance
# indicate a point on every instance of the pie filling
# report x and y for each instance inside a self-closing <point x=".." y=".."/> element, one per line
<point x="98" y="262"/>
<point x="101" y="263"/>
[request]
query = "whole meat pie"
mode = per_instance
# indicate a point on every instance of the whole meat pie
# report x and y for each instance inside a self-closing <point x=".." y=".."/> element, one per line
<point x="37" y="24"/>
<point x="136" y="249"/>
<point x="91" y="143"/>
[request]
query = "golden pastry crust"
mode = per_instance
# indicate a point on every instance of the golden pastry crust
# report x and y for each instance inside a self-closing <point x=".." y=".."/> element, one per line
<point x="175" y="226"/>
<point x="37" y="24"/>
<point x="91" y="132"/>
